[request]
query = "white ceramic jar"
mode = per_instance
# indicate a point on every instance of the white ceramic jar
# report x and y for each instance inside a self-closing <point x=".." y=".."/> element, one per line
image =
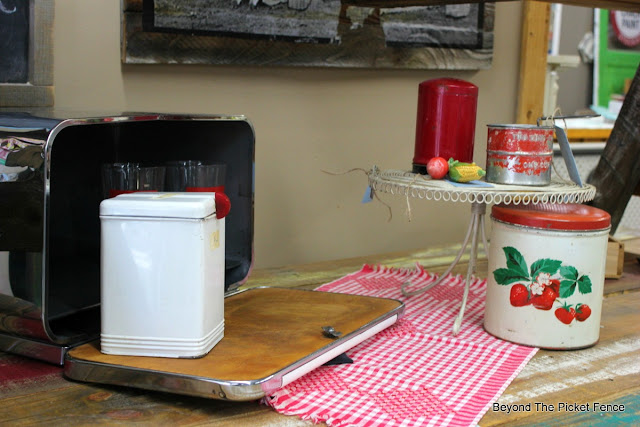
<point x="162" y="274"/>
<point x="546" y="274"/>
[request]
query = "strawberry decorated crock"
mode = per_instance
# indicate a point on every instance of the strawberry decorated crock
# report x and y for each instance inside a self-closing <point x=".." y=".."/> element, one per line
<point x="546" y="274"/>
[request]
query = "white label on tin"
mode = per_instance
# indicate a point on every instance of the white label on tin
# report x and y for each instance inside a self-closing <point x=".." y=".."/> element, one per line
<point x="214" y="240"/>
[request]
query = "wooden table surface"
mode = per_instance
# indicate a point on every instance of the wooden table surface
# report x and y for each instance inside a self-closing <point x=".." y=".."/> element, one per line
<point x="608" y="373"/>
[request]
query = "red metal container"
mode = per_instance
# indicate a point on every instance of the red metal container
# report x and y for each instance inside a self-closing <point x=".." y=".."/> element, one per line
<point x="519" y="154"/>
<point x="446" y="121"/>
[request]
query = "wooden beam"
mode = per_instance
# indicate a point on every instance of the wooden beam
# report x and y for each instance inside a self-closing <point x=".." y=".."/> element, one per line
<point x="533" y="60"/>
<point x="617" y="175"/>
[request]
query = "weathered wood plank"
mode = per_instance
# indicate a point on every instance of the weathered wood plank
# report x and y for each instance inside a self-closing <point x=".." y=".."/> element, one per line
<point x="600" y="374"/>
<point x="312" y="275"/>
<point x="617" y="174"/>
<point x="584" y="376"/>
<point x="603" y="373"/>
<point x="80" y="404"/>
<point x="533" y="61"/>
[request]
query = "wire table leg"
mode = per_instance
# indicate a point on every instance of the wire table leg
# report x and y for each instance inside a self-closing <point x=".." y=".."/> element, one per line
<point x="477" y="211"/>
<point x="475" y="231"/>
<point x="443" y="275"/>
<point x="477" y="225"/>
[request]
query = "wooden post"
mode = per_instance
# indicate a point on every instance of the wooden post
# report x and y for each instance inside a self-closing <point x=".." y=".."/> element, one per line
<point x="617" y="174"/>
<point x="533" y="60"/>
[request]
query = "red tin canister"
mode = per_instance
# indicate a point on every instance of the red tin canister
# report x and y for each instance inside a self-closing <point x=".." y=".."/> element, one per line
<point x="519" y="154"/>
<point x="446" y="121"/>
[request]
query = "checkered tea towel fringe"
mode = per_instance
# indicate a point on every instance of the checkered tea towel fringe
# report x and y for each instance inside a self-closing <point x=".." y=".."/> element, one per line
<point x="414" y="373"/>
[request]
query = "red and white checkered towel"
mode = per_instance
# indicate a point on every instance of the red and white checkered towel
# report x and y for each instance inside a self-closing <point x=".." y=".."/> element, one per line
<point x="414" y="373"/>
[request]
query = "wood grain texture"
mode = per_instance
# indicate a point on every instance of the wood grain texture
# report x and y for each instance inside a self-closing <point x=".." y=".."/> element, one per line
<point x="602" y="373"/>
<point x="615" y="259"/>
<point x="588" y="135"/>
<point x="311" y="275"/>
<point x="586" y="375"/>
<point x="266" y="331"/>
<point x="533" y="61"/>
<point x="617" y="174"/>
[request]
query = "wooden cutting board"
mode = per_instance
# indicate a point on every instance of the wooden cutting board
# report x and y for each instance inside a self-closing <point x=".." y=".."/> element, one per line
<point x="267" y="330"/>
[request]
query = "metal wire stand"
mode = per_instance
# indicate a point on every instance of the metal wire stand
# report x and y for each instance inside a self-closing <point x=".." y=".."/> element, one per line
<point x="418" y="186"/>
<point x="474" y="232"/>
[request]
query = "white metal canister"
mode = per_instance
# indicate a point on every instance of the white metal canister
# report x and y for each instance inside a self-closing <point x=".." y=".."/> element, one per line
<point x="546" y="274"/>
<point x="162" y="274"/>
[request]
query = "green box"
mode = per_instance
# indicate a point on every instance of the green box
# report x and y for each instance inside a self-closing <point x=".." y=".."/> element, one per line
<point x="615" y="61"/>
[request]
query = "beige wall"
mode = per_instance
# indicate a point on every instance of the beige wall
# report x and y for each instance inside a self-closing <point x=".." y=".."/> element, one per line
<point x="305" y="120"/>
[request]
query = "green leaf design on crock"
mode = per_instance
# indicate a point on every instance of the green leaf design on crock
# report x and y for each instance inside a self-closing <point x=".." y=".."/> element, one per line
<point x="505" y="276"/>
<point x="572" y="280"/>
<point x="517" y="271"/>
<point x="584" y="285"/>
<point x="569" y="273"/>
<point x="545" y="265"/>
<point x="516" y="262"/>
<point x="567" y="288"/>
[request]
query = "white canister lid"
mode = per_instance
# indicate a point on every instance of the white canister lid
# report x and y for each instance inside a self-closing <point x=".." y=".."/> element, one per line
<point x="160" y="205"/>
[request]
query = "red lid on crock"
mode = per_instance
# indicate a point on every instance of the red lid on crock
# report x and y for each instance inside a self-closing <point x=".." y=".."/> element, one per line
<point x="553" y="216"/>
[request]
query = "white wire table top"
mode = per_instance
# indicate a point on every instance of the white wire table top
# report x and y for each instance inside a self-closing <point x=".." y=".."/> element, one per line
<point x="418" y="186"/>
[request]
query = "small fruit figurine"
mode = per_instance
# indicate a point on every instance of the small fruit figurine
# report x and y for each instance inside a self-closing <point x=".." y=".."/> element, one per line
<point x="565" y="314"/>
<point x="464" y="172"/>
<point x="519" y="295"/>
<point x="437" y="167"/>
<point x="583" y="311"/>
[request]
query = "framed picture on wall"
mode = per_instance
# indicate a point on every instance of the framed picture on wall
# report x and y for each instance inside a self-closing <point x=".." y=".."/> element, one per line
<point x="26" y="53"/>
<point x="400" y="34"/>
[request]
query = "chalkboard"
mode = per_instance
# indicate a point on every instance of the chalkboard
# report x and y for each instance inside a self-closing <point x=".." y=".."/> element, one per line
<point x="14" y="41"/>
<point x="26" y="53"/>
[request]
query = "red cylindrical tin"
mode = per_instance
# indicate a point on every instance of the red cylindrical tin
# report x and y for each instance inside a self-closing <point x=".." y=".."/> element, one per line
<point x="519" y="154"/>
<point x="446" y="121"/>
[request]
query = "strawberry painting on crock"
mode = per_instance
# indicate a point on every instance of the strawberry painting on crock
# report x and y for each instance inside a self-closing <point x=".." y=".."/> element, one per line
<point x="543" y="285"/>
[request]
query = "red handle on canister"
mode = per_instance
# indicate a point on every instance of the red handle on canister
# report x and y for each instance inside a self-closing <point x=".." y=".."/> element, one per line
<point x="446" y="122"/>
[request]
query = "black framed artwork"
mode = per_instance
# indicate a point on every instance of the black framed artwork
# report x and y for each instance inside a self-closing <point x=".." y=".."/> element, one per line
<point x="396" y="34"/>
